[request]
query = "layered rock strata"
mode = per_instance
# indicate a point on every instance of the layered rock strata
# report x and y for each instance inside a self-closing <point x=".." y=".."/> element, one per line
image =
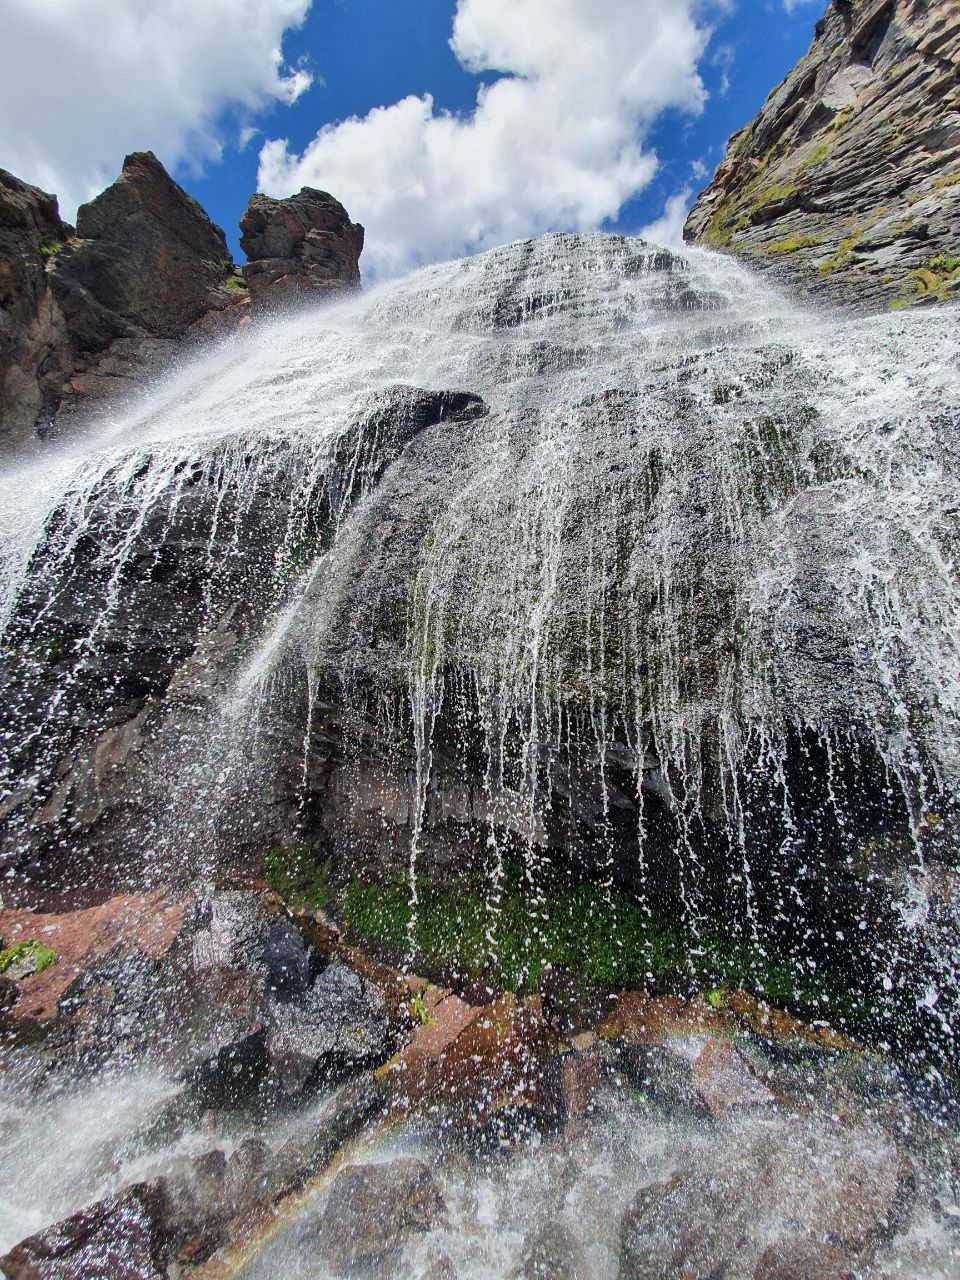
<point x="846" y="185"/>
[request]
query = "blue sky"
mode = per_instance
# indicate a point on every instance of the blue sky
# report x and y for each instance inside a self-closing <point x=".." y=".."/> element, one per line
<point x="593" y="112"/>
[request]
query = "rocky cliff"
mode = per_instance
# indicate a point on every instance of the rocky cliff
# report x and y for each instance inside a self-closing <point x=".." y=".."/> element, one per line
<point x="300" y="246"/>
<point x="847" y="183"/>
<point x="91" y="312"/>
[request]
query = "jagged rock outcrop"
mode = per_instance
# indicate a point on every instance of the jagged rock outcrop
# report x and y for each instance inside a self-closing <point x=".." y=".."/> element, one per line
<point x="146" y="259"/>
<point x="89" y="313"/>
<point x="847" y="183"/>
<point x="32" y="334"/>
<point x="299" y="246"/>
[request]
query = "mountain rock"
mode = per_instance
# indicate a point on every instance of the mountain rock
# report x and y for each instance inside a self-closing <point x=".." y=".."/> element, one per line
<point x="146" y="259"/>
<point x="846" y="185"/>
<point x="32" y="331"/>
<point x="300" y="246"/>
<point x="91" y="313"/>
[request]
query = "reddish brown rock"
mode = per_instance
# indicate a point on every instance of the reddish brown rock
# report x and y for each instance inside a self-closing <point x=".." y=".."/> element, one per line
<point x="723" y="1078"/>
<point x="149" y="923"/>
<point x="299" y="248"/>
<point x="641" y="1018"/>
<point x="476" y="1063"/>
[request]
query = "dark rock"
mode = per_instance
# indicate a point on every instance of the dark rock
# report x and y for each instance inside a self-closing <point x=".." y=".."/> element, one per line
<point x="299" y="247"/>
<point x="846" y="185"/>
<point x="32" y="331"/>
<point x="232" y="1027"/>
<point x="340" y="1025"/>
<point x="373" y="1209"/>
<point x="146" y="258"/>
<point x="250" y="930"/>
<point x="552" y="1252"/>
<point x="122" y="1238"/>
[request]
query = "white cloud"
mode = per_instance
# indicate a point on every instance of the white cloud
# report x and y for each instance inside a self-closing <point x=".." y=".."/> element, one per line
<point x="790" y="5"/>
<point x="556" y="142"/>
<point x="82" y="82"/>
<point x="668" y="228"/>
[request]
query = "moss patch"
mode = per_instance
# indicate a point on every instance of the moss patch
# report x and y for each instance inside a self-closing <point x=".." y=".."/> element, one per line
<point x="298" y="877"/>
<point x="512" y="935"/>
<point x="790" y="244"/>
<point x="30" y="949"/>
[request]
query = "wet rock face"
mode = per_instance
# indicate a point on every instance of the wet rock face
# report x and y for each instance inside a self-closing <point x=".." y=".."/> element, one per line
<point x="32" y="334"/>
<point x="300" y="246"/>
<point x="847" y="183"/>
<point x="374" y="1208"/>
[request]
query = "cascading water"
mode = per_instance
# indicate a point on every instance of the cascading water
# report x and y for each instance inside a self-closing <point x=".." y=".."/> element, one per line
<point x="698" y="559"/>
<point x="579" y="552"/>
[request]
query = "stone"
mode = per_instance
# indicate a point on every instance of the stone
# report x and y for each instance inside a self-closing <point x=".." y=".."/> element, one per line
<point x="301" y="247"/>
<point x="723" y="1078"/>
<point x="374" y="1208"/>
<point x="795" y="1258"/>
<point x="688" y="1225"/>
<point x="121" y="1238"/>
<point x="339" y="1026"/>
<point x="250" y="930"/>
<point x="552" y="1252"/>
<point x="313" y="1145"/>
<point x="480" y="1065"/>
<point x="846" y="185"/>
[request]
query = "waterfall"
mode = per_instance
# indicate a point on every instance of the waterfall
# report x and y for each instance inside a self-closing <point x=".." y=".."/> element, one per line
<point x="671" y="564"/>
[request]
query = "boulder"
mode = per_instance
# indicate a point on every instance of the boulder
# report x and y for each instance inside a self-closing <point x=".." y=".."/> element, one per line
<point x="336" y="1027"/>
<point x="374" y="1208"/>
<point x="251" y="931"/>
<point x="300" y="247"/>
<point x="125" y="1237"/>
<point x="794" y="1258"/>
<point x="552" y="1252"/>
<point x="486" y="1066"/>
<point x="688" y="1225"/>
<point x="840" y="1189"/>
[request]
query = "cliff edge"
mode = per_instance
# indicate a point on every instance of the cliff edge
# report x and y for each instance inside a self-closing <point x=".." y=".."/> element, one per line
<point x="846" y="185"/>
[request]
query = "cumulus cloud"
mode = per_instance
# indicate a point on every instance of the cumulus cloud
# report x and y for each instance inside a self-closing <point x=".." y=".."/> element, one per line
<point x="82" y="82"/>
<point x="668" y="228"/>
<point x="556" y="139"/>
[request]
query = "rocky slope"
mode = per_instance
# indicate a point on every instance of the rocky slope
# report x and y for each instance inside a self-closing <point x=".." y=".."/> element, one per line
<point x="847" y="183"/>
<point x="89" y="312"/>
